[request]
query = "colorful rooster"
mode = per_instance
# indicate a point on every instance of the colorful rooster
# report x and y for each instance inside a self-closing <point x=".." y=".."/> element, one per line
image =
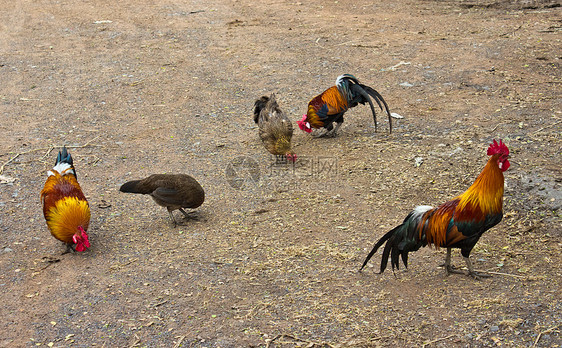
<point x="331" y="105"/>
<point x="65" y="207"/>
<point x="458" y="223"/>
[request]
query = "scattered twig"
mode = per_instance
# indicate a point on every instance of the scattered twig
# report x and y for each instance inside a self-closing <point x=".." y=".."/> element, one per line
<point x="494" y="272"/>
<point x="310" y="343"/>
<point x="271" y="340"/>
<point x="545" y="332"/>
<point x="121" y="265"/>
<point x="437" y="340"/>
<point x="136" y="342"/>
<point x="317" y="43"/>
<point x="49" y="261"/>
<point x="8" y="162"/>
<point x="48" y="149"/>
<point x="47" y="152"/>
<point x="160" y="303"/>
<point x="104" y="205"/>
<point x="501" y="273"/>
<point x="394" y="67"/>
<point x="545" y="127"/>
<point x="496" y="127"/>
<point x="345" y="43"/>
<point x="177" y="345"/>
<point x="511" y="32"/>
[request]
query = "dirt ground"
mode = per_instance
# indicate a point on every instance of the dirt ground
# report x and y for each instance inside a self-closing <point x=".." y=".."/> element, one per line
<point x="272" y="257"/>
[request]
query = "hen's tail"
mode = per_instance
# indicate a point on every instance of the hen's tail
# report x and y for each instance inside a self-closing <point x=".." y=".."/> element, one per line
<point x="400" y="240"/>
<point x="259" y="105"/>
<point x="134" y="187"/>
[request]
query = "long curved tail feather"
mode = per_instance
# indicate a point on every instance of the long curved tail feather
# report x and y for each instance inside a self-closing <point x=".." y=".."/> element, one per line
<point x="401" y="240"/>
<point x="379" y="99"/>
<point x="377" y="246"/>
<point x="357" y="92"/>
<point x="358" y="89"/>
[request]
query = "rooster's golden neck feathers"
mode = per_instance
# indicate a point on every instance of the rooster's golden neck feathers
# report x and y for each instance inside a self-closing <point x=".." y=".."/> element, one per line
<point x="487" y="190"/>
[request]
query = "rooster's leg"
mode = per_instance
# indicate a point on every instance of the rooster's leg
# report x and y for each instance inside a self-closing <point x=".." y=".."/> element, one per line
<point x="335" y="131"/>
<point x="472" y="272"/>
<point x="448" y="268"/>
<point x="69" y="249"/>
<point x="322" y="132"/>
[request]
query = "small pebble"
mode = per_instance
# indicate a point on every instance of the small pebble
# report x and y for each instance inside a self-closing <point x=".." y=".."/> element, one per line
<point x="494" y="328"/>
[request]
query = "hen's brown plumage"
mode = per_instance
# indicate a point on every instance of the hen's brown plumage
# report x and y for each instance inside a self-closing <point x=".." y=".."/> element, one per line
<point x="275" y="128"/>
<point x="173" y="191"/>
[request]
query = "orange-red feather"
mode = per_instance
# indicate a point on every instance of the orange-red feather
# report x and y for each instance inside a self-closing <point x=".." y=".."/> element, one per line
<point x="484" y="197"/>
<point x="330" y="102"/>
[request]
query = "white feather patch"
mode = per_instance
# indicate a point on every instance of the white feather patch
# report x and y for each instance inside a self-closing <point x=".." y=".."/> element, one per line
<point x="339" y="80"/>
<point x="61" y="167"/>
<point x="421" y="209"/>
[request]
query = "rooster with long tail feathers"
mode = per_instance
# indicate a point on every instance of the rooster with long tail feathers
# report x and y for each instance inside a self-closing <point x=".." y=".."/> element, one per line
<point x="65" y="207"/>
<point x="458" y="223"/>
<point x="329" y="107"/>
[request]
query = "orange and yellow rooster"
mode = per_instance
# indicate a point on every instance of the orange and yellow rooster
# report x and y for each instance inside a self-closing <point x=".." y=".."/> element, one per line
<point x="458" y="223"/>
<point x="65" y="207"/>
<point x="330" y="106"/>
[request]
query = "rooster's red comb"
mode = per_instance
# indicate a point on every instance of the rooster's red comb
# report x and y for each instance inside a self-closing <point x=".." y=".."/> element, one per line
<point x="496" y="148"/>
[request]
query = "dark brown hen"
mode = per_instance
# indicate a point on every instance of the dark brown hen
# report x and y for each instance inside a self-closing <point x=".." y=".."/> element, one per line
<point x="173" y="191"/>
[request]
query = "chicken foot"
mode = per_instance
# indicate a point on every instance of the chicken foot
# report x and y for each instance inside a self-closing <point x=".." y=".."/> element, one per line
<point x="69" y="249"/>
<point x="191" y="215"/>
<point x="471" y="272"/>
